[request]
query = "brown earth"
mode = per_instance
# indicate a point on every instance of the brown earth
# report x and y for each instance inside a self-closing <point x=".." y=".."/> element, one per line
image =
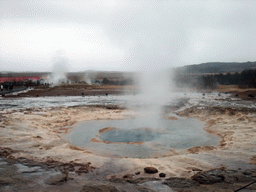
<point x="75" y="90"/>
<point x="243" y="93"/>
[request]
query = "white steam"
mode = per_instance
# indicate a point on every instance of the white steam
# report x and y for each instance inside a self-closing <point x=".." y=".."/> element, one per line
<point x="154" y="92"/>
<point x="59" y="70"/>
<point x="89" y="77"/>
<point x="153" y="35"/>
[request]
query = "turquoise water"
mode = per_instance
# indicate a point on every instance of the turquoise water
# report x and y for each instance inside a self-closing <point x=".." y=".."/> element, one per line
<point x="169" y="134"/>
<point x="132" y="135"/>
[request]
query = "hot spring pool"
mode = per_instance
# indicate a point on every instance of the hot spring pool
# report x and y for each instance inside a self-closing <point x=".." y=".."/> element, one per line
<point x="155" y="141"/>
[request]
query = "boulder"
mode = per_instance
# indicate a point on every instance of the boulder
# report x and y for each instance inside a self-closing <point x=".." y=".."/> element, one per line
<point x="150" y="170"/>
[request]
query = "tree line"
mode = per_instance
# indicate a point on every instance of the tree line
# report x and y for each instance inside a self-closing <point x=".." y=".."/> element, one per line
<point x="245" y="79"/>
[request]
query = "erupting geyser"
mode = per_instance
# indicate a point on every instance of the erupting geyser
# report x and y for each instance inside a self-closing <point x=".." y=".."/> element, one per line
<point x="149" y="134"/>
<point x="155" y="92"/>
<point x="60" y="68"/>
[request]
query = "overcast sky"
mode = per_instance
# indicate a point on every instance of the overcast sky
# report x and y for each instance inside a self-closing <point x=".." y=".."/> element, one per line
<point x="124" y="35"/>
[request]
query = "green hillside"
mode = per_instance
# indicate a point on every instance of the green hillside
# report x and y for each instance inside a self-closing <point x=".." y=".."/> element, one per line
<point x="217" y="67"/>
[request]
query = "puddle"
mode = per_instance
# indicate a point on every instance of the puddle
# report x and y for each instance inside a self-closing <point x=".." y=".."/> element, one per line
<point x="157" y="141"/>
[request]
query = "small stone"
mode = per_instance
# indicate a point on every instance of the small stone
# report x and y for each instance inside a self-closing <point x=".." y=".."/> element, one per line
<point x="150" y="170"/>
<point x="137" y="173"/>
<point x="162" y="175"/>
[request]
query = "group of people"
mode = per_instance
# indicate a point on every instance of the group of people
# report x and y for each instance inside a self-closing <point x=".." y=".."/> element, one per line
<point x="9" y="87"/>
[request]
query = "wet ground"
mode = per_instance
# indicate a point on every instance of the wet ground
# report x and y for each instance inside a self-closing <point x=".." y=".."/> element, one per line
<point x="33" y="129"/>
<point x="186" y="99"/>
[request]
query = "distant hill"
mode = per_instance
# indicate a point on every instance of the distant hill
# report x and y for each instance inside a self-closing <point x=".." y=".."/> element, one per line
<point x="217" y="67"/>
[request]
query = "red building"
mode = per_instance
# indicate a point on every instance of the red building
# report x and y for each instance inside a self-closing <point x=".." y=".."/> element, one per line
<point x="12" y="79"/>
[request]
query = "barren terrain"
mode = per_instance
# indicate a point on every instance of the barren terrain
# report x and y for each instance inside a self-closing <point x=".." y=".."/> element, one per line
<point x="71" y="90"/>
<point x="32" y="139"/>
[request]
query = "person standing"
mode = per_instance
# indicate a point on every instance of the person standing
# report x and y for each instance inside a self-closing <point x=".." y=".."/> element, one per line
<point x="2" y="87"/>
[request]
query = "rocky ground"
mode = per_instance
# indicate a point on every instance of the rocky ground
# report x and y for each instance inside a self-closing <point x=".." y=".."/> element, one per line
<point x="34" y="156"/>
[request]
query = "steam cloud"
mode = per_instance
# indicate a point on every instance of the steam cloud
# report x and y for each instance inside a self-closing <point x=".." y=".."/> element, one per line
<point x="89" y="77"/>
<point x="153" y="43"/>
<point x="59" y="70"/>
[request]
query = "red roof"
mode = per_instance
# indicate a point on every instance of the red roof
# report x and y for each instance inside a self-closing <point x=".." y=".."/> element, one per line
<point x="11" y="79"/>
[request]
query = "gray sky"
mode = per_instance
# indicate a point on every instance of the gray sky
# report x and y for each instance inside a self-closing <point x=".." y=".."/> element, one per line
<point x="123" y="34"/>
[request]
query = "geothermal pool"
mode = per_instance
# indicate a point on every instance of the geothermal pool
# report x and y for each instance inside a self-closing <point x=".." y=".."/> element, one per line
<point x="120" y="137"/>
